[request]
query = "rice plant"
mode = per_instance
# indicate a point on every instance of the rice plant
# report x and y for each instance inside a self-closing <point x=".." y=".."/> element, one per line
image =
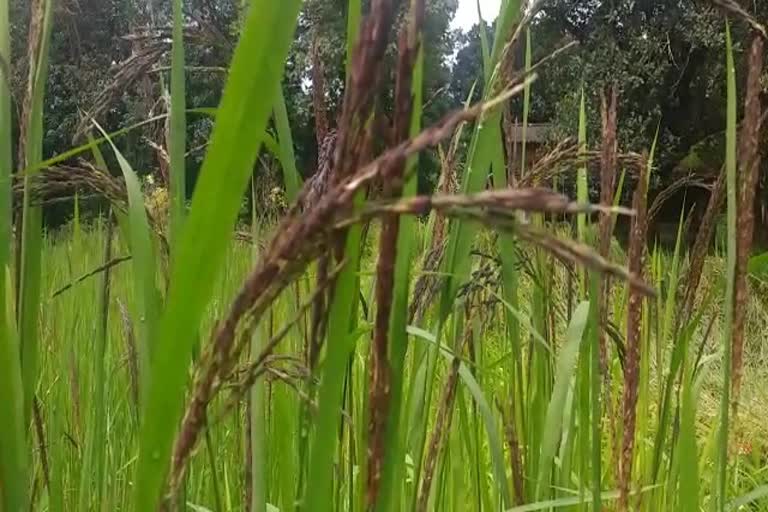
<point x="357" y="343"/>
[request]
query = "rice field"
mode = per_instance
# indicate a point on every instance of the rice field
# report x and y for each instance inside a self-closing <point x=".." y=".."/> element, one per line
<point x="356" y="345"/>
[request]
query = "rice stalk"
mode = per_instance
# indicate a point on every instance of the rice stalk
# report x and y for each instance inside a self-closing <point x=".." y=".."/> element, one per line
<point x="608" y="152"/>
<point x="93" y="485"/>
<point x="242" y="116"/>
<point x="322" y="126"/>
<point x="442" y="425"/>
<point x="389" y="344"/>
<point x="732" y="7"/>
<point x="721" y="457"/>
<point x="30" y="153"/>
<point x="13" y="440"/>
<point x="291" y="176"/>
<point x="634" y="320"/>
<point x="749" y="160"/>
<point x="352" y="149"/>
<point x="148" y="299"/>
<point x="301" y="238"/>
<point x="427" y="284"/>
<point x="131" y="355"/>
<point x="582" y="191"/>
<point x="178" y="125"/>
<point x="702" y="243"/>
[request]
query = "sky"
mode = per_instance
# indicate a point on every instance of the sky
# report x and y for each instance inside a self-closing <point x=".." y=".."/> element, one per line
<point x="466" y="14"/>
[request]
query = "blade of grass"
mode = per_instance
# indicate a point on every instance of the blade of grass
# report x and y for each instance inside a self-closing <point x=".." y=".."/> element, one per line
<point x="457" y="261"/>
<point x="291" y="176"/>
<point x="484" y="46"/>
<point x="721" y="464"/>
<point x="354" y="13"/>
<point x="247" y="100"/>
<point x="509" y="272"/>
<point x="689" y="459"/>
<point x="756" y="494"/>
<point x="462" y="234"/>
<point x="595" y="392"/>
<point x="13" y="443"/>
<point x="6" y="160"/>
<point x="568" y="502"/>
<point x="306" y="452"/>
<point x="32" y="228"/>
<point x="318" y="496"/>
<point x="270" y="144"/>
<point x="526" y="106"/>
<point x="178" y="142"/>
<point x="509" y="14"/>
<point x="257" y="410"/>
<point x="582" y="190"/>
<point x="93" y="483"/>
<point x="146" y="293"/>
<point x="495" y="444"/>
<point x="555" y="411"/>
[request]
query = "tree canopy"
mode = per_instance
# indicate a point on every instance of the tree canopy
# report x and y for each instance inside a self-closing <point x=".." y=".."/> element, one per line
<point x="666" y="57"/>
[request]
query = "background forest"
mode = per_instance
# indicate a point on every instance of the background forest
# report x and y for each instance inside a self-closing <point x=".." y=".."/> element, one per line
<point x="666" y="58"/>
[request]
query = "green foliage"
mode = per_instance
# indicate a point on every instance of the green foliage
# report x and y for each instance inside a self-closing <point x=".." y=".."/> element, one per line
<point x="499" y="396"/>
<point x="256" y="66"/>
<point x="723" y="437"/>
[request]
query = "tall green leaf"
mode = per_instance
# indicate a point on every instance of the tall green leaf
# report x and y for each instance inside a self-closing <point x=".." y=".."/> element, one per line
<point x="178" y="142"/>
<point x="486" y="413"/>
<point x="341" y="324"/>
<point x="582" y="190"/>
<point x="689" y="480"/>
<point x="556" y="409"/>
<point x="13" y="443"/>
<point x="32" y="228"/>
<point x="354" y="13"/>
<point x="721" y="465"/>
<point x="526" y="105"/>
<point x="247" y="100"/>
<point x="258" y="394"/>
<point x="595" y="392"/>
<point x="285" y="139"/>
<point x="143" y="259"/>
<point x="484" y="46"/>
<point x="462" y="234"/>
<point x="334" y="371"/>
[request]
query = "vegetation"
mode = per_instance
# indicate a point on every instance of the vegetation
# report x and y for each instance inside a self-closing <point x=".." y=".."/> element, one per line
<point x="428" y="321"/>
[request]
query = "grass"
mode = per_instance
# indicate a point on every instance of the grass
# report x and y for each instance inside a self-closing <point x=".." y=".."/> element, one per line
<point x="495" y="397"/>
<point x="65" y="374"/>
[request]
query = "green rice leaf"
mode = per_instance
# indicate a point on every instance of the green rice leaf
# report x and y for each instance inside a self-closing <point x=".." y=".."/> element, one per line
<point x="569" y="502"/>
<point x="489" y="420"/>
<point x="566" y="363"/>
<point x="32" y="228"/>
<point x="13" y="440"/>
<point x="291" y="176"/>
<point x="582" y="190"/>
<point x="721" y="460"/>
<point x="759" y="493"/>
<point x="246" y="103"/>
<point x="143" y="261"/>
<point x="178" y="132"/>
<point x="13" y="443"/>
<point x="354" y="13"/>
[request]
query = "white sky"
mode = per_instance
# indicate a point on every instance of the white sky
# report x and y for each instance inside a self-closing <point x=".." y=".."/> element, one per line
<point x="466" y="14"/>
